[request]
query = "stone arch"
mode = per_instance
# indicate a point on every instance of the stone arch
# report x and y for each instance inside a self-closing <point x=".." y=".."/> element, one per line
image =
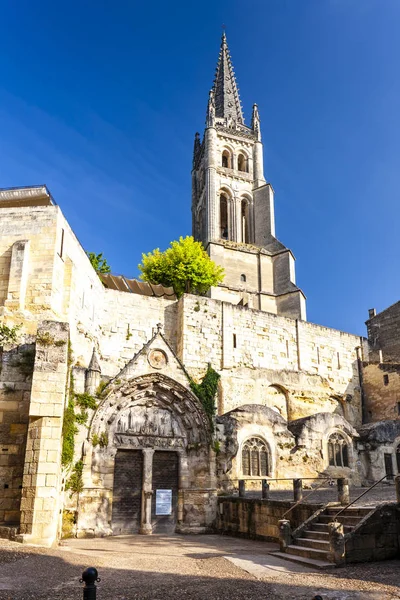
<point x="242" y="161"/>
<point x="227" y="158"/>
<point x="246" y="218"/>
<point x="225" y="213"/>
<point x="154" y="390"/>
<point x="148" y="417"/>
<point x="277" y="399"/>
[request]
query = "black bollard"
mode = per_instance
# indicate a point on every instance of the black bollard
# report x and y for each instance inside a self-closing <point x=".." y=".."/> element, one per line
<point x="89" y="576"/>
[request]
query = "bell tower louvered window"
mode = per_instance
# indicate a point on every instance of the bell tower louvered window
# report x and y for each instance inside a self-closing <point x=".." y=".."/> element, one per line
<point x="255" y="458"/>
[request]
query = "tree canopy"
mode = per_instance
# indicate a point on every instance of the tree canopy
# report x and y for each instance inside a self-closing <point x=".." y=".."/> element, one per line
<point x="98" y="262"/>
<point x="185" y="266"/>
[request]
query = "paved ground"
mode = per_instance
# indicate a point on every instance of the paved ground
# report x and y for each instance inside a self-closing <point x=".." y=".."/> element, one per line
<point x="190" y="567"/>
<point x="382" y="493"/>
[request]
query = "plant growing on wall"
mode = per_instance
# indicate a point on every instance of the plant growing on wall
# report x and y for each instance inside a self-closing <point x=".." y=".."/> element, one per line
<point x="98" y="262"/>
<point x="206" y="392"/>
<point x="185" y="266"/>
<point x="8" y="334"/>
<point x="75" y="481"/>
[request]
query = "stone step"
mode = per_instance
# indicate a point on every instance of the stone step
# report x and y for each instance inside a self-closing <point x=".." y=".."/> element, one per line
<point x="316" y="535"/>
<point x="357" y="511"/>
<point x="312" y="543"/>
<point x="307" y="552"/>
<point x="323" y="527"/>
<point x="346" y="520"/>
<point x="307" y="562"/>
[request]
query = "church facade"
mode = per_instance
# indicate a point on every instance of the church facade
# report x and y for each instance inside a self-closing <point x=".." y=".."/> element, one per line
<point x="120" y="355"/>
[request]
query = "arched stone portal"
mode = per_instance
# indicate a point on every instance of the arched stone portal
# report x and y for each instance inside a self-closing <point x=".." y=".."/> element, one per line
<point x="156" y="471"/>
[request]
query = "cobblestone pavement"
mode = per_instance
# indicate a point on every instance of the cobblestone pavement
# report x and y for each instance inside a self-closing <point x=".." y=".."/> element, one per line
<point x="190" y="567"/>
<point x="382" y="493"/>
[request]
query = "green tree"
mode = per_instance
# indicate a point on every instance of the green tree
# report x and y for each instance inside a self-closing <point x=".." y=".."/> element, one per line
<point x="99" y="263"/>
<point x="185" y="266"/>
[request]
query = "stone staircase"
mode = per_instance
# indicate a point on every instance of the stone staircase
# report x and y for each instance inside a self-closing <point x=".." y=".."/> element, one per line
<point x="311" y="544"/>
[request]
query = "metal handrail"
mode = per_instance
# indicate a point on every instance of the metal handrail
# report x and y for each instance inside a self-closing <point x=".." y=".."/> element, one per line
<point x="303" y="499"/>
<point x="360" y="496"/>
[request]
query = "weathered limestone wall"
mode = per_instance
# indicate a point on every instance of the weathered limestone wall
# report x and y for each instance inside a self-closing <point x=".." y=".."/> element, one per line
<point x="253" y="350"/>
<point x="384" y="334"/>
<point x="253" y="518"/>
<point x="38" y="225"/>
<point x="16" y="367"/>
<point x="381" y="391"/>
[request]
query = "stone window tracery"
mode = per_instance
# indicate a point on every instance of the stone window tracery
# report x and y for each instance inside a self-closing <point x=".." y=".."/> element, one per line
<point x="338" y="451"/>
<point x="255" y="458"/>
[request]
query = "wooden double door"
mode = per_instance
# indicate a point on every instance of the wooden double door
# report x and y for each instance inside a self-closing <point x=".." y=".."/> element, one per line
<point x="128" y="486"/>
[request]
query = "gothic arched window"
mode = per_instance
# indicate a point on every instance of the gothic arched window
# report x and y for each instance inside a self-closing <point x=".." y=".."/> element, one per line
<point x="242" y="163"/>
<point x="223" y="216"/>
<point x="338" y="451"/>
<point x="226" y="159"/>
<point x="255" y="458"/>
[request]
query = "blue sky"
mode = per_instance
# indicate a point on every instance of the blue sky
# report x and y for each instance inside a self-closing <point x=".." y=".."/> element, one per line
<point x="101" y="100"/>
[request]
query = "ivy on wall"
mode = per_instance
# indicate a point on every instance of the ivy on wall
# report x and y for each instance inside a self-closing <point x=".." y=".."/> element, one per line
<point x="206" y="392"/>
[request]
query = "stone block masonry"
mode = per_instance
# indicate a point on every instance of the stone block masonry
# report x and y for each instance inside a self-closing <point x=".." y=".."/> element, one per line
<point x="16" y="367"/>
<point x="42" y="472"/>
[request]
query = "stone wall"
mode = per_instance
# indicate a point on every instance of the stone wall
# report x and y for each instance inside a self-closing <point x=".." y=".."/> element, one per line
<point x="16" y="367"/>
<point x="384" y="334"/>
<point x="253" y="518"/>
<point x="376" y="537"/>
<point x="315" y="366"/>
<point x="381" y="391"/>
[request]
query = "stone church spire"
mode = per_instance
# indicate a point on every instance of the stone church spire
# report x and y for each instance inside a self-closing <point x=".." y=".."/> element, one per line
<point x="225" y="90"/>
<point x="233" y="205"/>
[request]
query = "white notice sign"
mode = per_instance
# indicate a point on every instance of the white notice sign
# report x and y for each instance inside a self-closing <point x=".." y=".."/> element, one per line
<point x="163" y="502"/>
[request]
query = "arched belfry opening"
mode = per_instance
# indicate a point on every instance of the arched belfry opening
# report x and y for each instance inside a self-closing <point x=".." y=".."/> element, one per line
<point x="223" y="217"/>
<point x="245" y="221"/>
<point x="158" y="438"/>
<point x="242" y="163"/>
<point x="226" y="159"/>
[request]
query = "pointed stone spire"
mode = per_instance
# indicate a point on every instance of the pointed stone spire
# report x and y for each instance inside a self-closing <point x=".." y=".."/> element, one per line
<point x="196" y="149"/>
<point x="94" y="364"/>
<point x="92" y="375"/>
<point x="225" y="90"/>
<point x="255" y="122"/>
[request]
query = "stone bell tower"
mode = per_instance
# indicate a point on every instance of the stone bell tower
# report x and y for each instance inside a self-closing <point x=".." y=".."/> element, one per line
<point x="233" y="205"/>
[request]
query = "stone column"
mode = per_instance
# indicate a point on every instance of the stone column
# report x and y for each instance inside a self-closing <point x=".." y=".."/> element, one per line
<point x="343" y="491"/>
<point x="264" y="489"/>
<point x="397" y="483"/>
<point x="40" y="501"/>
<point x="212" y="204"/>
<point x="336" y="543"/>
<point x="146" y="527"/>
<point x="285" y="534"/>
<point x="18" y="277"/>
<point x="297" y="490"/>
